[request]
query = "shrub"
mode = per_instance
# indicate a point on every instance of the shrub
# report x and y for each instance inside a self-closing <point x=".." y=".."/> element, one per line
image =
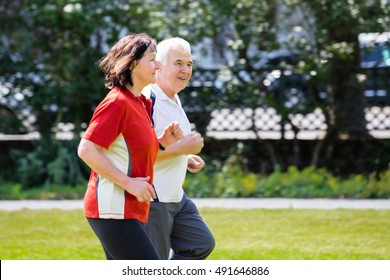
<point x="51" y="162"/>
<point x="232" y="181"/>
<point x="199" y="185"/>
<point x="228" y="180"/>
<point x="12" y="191"/>
<point x="351" y="187"/>
<point x="378" y="188"/>
<point x="310" y="182"/>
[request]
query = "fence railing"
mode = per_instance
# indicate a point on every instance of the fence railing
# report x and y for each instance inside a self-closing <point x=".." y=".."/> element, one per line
<point x="212" y="112"/>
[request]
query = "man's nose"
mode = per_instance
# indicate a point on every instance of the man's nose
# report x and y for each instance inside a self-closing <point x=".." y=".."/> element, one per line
<point x="185" y="68"/>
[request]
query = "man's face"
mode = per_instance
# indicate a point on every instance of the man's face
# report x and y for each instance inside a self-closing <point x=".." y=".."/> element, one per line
<point x="175" y="73"/>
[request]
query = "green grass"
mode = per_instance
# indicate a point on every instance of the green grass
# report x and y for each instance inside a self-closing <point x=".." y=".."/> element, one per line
<point x="300" y="234"/>
<point x="240" y="235"/>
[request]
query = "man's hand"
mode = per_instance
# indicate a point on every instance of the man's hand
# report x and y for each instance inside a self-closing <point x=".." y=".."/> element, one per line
<point x="189" y="145"/>
<point x="192" y="143"/>
<point x="171" y="135"/>
<point x="195" y="163"/>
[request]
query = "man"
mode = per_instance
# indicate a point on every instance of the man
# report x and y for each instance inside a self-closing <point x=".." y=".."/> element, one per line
<point x="175" y="226"/>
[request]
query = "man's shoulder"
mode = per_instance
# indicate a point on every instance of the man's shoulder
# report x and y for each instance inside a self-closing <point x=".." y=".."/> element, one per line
<point x="147" y="91"/>
<point x="152" y="88"/>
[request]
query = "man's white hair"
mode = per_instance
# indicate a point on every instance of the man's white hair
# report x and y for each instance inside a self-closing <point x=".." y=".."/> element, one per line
<point x="175" y="43"/>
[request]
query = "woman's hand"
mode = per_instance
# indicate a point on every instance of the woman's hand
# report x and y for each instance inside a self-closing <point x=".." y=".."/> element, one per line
<point x="140" y="188"/>
<point x="93" y="155"/>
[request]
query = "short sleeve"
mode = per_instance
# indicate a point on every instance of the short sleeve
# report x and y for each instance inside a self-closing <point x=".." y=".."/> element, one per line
<point x="105" y="125"/>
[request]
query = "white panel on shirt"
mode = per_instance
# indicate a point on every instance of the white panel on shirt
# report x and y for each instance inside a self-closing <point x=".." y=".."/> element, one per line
<point x="169" y="175"/>
<point x="112" y="197"/>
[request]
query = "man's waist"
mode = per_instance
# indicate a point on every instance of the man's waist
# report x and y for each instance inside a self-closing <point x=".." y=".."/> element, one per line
<point x="171" y="197"/>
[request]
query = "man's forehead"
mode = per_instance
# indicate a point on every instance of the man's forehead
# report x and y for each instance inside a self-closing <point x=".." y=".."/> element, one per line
<point x="177" y="55"/>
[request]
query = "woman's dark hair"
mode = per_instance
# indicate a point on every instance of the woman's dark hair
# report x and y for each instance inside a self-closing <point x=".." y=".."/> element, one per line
<point x="117" y="66"/>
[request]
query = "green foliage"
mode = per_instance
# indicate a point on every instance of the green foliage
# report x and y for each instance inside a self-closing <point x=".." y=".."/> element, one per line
<point x="49" y="51"/>
<point x="51" y="162"/>
<point x="199" y="185"/>
<point x="15" y="191"/>
<point x="271" y="186"/>
<point x="232" y="182"/>
<point x="30" y="168"/>
<point x="332" y="54"/>
<point x="310" y="182"/>
<point x="61" y="179"/>
<point x="57" y="192"/>
<point x="12" y="191"/>
<point x="377" y="188"/>
<point x="11" y="124"/>
<point x="351" y="187"/>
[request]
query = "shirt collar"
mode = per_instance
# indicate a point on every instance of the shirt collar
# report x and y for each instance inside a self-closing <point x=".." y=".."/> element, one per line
<point x="130" y="94"/>
<point x="160" y="94"/>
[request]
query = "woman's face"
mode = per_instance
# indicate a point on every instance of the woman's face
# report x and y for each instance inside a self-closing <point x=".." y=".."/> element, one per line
<point x="145" y="71"/>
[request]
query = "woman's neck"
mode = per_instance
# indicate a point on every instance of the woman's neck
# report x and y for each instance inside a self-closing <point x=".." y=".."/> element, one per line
<point x="136" y="90"/>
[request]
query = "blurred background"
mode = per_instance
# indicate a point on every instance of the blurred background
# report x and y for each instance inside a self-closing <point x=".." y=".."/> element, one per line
<point x="291" y="96"/>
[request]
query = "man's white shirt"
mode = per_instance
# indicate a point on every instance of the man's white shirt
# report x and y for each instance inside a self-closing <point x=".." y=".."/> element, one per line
<point x="169" y="174"/>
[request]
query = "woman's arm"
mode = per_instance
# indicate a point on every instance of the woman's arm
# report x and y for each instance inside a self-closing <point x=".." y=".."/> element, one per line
<point x="93" y="155"/>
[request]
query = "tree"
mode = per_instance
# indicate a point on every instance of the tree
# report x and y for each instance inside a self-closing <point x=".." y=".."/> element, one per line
<point x="240" y="30"/>
<point x="333" y="54"/>
<point x="329" y="55"/>
<point x="49" y="52"/>
<point x="51" y="49"/>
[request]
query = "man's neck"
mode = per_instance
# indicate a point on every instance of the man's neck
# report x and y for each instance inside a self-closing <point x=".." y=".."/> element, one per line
<point x="170" y="94"/>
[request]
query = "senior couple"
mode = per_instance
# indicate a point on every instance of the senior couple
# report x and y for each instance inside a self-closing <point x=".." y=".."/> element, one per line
<point x="139" y="146"/>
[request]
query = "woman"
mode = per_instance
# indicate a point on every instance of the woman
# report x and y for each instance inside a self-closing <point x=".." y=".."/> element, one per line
<point x="120" y="147"/>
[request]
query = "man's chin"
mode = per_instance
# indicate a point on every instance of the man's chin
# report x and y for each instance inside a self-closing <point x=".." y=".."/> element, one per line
<point x="182" y="85"/>
<point x="180" y="88"/>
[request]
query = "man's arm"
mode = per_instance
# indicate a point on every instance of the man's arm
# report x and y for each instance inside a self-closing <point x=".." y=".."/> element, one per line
<point x="190" y="144"/>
